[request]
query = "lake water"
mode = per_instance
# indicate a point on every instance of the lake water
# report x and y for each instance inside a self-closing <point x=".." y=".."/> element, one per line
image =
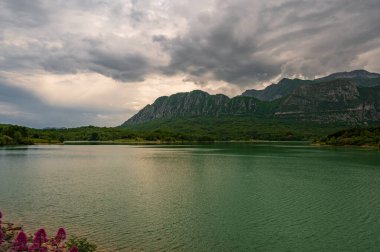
<point x="219" y="197"/>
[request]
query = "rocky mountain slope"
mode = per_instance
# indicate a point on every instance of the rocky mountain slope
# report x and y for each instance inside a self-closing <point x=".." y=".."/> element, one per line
<point x="335" y="101"/>
<point x="276" y="91"/>
<point x="340" y="100"/>
<point x="195" y="103"/>
<point x="287" y="86"/>
<point x="356" y="74"/>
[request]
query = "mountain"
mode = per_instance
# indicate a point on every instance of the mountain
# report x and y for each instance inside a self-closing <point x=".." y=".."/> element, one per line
<point x="287" y="86"/>
<point x="339" y="100"/>
<point x="309" y="111"/>
<point x="356" y="74"/>
<point x="195" y="103"/>
<point x="276" y="91"/>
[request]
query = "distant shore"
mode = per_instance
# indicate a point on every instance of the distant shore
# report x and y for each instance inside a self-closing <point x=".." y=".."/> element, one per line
<point x="145" y="142"/>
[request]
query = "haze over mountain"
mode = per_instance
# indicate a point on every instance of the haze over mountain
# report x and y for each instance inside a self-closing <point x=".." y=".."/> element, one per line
<point x="71" y="63"/>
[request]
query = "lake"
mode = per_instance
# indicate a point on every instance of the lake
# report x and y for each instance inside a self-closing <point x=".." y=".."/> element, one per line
<point x="217" y="197"/>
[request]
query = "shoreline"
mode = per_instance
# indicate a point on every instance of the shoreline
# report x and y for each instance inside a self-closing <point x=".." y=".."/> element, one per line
<point x="157" y="142"/>
<point x="309" y="142"/>
<point x="346" y="145"/>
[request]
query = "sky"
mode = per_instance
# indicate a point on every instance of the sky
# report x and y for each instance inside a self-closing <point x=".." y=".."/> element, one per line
<point x="70" y="63"/>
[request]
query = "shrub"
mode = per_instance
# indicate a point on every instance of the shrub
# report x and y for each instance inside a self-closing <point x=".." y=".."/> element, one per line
<point x="81" y="243"/>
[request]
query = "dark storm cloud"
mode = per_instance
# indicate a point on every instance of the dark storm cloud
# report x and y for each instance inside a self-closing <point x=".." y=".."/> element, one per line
<point x="75" y="57"/>
<point x="121" y="66"/>
<point x="131" y="67"/>
<point x="74" y="53"/>
<point x="241" y="42"/>
<point x="306" y="38"/>
<point x="219" y="52"/>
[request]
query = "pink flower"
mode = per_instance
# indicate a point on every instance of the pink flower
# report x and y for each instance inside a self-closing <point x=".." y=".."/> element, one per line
<point x="19" y="244"/>
<point x="40" y="237"/>
<point x="35" y="247"/>
<point x="74" y="249"/>
<point x="41" y="232"/>
<point x="61" y="235"/>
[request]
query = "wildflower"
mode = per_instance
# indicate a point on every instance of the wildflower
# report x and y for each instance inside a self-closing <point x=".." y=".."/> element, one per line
<point x="36" y="247"/>
<point x="19" y="244"/>
<point x="40" y="237"/>
<point x="74" y="249"/>
<point x="61" y="235"/>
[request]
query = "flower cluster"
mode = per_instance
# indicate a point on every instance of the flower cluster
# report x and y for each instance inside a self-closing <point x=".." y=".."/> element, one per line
<point x="20" y="243"/>
<point x="40" y="237"/>
<point x="40" y="242"/>
<point x="61" y="235"/>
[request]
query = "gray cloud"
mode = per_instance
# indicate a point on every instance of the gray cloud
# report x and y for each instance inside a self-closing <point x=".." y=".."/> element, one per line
<point x="24" y="13"/>
<point x="240" y="42"/>
<point x="131" y="67"/>
<point x="298" y="37"/>
<point x="30" y="40"/>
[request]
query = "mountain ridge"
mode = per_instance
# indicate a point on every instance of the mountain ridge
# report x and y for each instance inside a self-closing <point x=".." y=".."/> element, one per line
<point x="194" y="103"/>
<point x="286" y="86"/>
<point x="340" y="100"/>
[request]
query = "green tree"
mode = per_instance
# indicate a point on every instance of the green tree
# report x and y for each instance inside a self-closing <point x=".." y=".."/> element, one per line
<point x="82" y="244"/>
<point x="94" y="136"/>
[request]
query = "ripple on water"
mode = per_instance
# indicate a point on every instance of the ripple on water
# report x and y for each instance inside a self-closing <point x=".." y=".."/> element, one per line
<point x="219" y="198"/>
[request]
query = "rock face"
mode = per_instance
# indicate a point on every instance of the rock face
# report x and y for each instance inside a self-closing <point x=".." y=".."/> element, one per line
<point x="276" y="91"/>
<point x="287" y="86"/>
<point x="335" y="95"/>
<point x="335" y="101"/>
<point x="195" y="103"/>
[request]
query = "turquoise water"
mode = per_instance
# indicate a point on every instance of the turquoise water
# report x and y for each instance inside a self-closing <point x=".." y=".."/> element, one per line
<point x="220" y="197"/>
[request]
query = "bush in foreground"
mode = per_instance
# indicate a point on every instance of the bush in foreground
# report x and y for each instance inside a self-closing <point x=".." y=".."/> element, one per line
<point x="81" y="243"/>
<point x="14" y="239"/>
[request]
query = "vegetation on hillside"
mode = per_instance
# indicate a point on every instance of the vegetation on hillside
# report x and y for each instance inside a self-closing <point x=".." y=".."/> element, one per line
<point x="369" y="136"/>
<point x="13" y="134"/>
<point x="16" y="135"/>
<point x="198" y="128"/>
<point x="235" y="127"/>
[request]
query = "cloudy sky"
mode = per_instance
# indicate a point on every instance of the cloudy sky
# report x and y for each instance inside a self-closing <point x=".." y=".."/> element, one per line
<point x="72" y="63"/>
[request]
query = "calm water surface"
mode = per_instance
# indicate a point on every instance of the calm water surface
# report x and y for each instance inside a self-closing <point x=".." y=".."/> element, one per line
<point x="221" y="197"/>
